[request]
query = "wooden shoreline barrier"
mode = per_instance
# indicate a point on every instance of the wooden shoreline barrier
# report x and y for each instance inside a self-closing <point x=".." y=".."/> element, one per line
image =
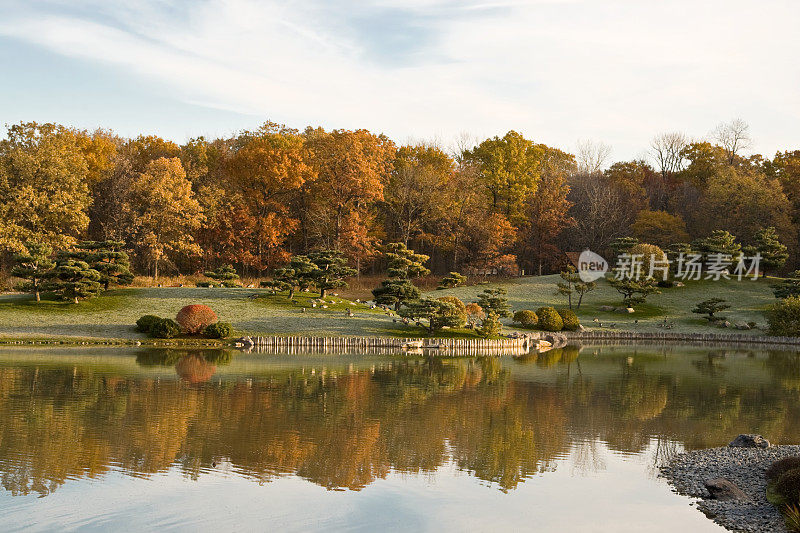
<point x="693" y="338"/>
<point x="387" y="345"/>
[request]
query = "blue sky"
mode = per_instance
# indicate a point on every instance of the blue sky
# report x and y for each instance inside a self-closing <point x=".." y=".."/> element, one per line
<point x="559" y="71"/>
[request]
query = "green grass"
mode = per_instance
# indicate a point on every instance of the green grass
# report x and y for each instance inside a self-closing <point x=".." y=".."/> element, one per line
<point x="113" y="314"/>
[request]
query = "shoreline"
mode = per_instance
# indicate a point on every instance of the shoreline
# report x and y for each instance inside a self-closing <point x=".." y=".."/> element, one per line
<point x="745" y="467"/>
<point x="591" y="337"/>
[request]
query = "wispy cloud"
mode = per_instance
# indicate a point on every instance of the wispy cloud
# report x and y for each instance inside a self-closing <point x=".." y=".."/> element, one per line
<point x="558" y="70"/>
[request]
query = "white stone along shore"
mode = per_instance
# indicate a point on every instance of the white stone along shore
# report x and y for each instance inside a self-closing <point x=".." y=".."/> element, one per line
<point x="747" y="510"/>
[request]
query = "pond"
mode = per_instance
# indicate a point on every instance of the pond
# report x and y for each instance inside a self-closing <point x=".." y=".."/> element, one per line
<point x="569" y="440"/>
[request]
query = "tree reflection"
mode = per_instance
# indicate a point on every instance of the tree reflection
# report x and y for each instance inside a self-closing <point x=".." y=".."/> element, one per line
<point x="345" y="430"/>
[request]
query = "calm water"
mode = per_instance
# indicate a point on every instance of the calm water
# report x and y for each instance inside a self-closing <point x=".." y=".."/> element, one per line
<point x="208" y="440"/>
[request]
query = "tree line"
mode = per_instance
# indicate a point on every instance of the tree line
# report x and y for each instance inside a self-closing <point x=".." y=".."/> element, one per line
<point x="257" y="198"/>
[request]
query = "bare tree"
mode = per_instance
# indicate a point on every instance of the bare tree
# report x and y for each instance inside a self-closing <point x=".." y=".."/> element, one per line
<point x="463" y="142"/>
<point x="667" y="151"/>
<point x="734" y="137"/>
<point x="591" y="156"/>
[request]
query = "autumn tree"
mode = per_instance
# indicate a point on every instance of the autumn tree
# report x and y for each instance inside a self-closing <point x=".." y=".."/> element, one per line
<point x="33" y="266"/>
<point x="267" y="167"/>
<point x="413" y="191"/>
<point x="351" y="171"/>
<point x="548" y="210"/>
<point x="44" y="194"/>
<point x="509" y="167"/>
<point x="165" y="213"/>
<point x="659" y="227"/>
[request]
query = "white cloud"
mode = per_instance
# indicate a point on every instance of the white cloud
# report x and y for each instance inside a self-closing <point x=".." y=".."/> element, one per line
<point x="557" y="70"/>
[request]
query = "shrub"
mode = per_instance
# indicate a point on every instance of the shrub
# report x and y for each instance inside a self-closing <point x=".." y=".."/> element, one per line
<point x="490" y="325"/>
<point x="218" y="330"/>
<point x="165" y="328"/>
<point x="526" y="318"/>
<point x="569" y="320"/>
<point x="451" y="281"/>
<point x="784" y="317"/>
<point x="781" y="466"/>
<point x="455" y="301"/>
<point x="193" y="319"/>
<point x="207" y="284"/>
<point x="146" y="322"/>
<point x="788" y="487"/>
<point x="549" y="319"/>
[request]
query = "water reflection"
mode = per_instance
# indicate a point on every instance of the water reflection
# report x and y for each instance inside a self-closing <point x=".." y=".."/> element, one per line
<point x="500" y="420"/>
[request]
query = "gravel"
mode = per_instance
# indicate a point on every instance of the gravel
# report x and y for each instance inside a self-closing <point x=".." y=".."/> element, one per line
<point x="745" y="467"/>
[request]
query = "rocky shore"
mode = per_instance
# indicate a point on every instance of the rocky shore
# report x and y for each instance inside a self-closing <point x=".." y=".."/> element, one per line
<point x="729" y="484"/>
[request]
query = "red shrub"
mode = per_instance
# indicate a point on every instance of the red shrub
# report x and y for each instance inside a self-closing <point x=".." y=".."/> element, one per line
<point x="193" y="319"/>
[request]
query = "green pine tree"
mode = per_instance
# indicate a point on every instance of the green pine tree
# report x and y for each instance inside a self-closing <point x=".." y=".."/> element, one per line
<point x="225" y="276"/>
<point x="106" y="257"/>
<point x="495" y="301"/>
<point x="33" y="266"/>
<point x="331" y="270"/>
<point x="73" y="280"/>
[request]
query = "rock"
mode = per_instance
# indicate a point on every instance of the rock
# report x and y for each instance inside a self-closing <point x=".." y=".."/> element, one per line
<point x="581" y="328"/>
<point x="723" y="324"/>
<point x="679" y="284"/>
<point x="749" y="441"/>
<point x="742" y="326"/>
<point x="723" y="489"/>
<point x="607" y="308"/>
<point x="629" y="310"/>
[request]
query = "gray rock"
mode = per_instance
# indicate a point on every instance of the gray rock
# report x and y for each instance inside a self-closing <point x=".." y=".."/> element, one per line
<point x="607" y="308"/>
<point x="749" y="441"/>
<point x="742" y="326"/>
<point x="724" y="489"/>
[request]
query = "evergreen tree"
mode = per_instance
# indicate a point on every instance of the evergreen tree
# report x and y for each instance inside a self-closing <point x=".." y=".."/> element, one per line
<point x="438" y="313"/>
<point x="622" y="245"/>
<point x="33" y="266"/>
<point x="404" y="263"/>
<point x="106" y="257"/>
<point x="490" y="325"/>
<point x="495" y="301"/>
<point x="452" y="280"/>
<point x="225" y="276"/>
<point x="773" y="253"/>
<point x="395" y="292"/>
<point x="634" y="291"/>
<point x="709" y="307"/>
<point x="73" y="279"/>
<point x="331" y="270"/>
<point x="719" y="242"/>
<point x="789" y="286"/>
<point x="300" y="273"/>
<point x="573" y="284"/>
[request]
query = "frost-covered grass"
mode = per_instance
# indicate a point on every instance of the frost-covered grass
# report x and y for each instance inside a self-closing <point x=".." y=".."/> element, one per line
<point x="113" y="314"/>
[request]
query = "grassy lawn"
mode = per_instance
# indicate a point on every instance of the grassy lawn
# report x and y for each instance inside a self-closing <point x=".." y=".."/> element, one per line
<point x="113" y="314"/>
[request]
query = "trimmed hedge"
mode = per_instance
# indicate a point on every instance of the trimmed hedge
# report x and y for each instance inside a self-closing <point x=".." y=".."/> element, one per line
<point x="569" y="320"/>
<point x="784" y="317"/>
<point x="146" y="322"/>
<point x="165" y="328"/>
<point x="549" y="319"/>
<point x="780" y="467"/>
<point x="526" y="318"/>
<point x="788" y="487"/>
<point x="193" y="319"/>
<point x="218" y="330"/>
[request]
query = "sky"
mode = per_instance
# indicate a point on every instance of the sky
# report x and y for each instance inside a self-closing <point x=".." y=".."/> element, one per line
<point x="558" y="71"/>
